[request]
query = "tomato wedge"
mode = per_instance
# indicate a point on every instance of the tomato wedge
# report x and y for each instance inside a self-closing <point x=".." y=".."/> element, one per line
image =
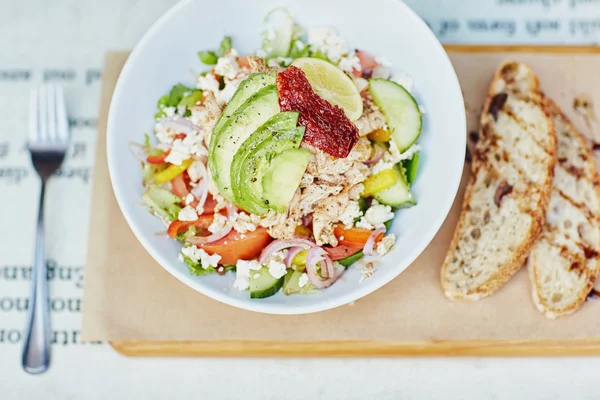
<point x="367" y="64"/>
<point x="179" y="186"/>
<point x="176" y="227"/>
<point x="158" y="158"/>
<point x="239" y="246"/>
<point x="354" y="237"/>
<point x="243" y="62"/>
<point x="341" y="252"/>
<point x="209" y="205"/>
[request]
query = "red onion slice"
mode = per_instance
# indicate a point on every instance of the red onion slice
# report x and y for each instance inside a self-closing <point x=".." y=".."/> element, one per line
<point x="200" y="192"/>
<point x="278" y="245"/>
<point x="376" y="157"/>
<point x="200" y="240"/>
<point x="307" y="220"/>
<point x="177" y="124"/>
<point x="292" y="252"/>
<point x="329" y="273"/>
<point x="370" y="244"/>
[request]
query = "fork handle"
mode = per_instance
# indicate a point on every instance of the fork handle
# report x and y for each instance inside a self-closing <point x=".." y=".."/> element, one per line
<point x="36" y="350"/>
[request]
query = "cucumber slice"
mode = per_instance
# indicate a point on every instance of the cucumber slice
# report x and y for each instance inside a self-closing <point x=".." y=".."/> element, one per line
<point x="400" y="110"/>
<point x="411" y="166"/>
<point x="279" y="44"/>
<point x="247" y="88"/>
<point x="398" y="195"/>
<point x="282" y="178"/>
<point x="291" y="284"/>
<point x="264" y="285"/>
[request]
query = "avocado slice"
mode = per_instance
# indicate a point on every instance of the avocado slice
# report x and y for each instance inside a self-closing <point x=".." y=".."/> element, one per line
<point x="278" y="124"/>
<point x="224" y="143"/>
<point x="257" y="163"/>
<point x="282" y="178"/>
<point x="247" y="88"/>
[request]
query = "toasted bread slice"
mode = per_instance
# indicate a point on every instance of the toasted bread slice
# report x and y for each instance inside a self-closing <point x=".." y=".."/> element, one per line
<point x="505" y="202"/>
<point x="565" y="261"/>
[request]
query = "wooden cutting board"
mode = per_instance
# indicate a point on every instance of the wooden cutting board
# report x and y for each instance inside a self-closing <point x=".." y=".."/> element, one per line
<point x="465" y="58"/>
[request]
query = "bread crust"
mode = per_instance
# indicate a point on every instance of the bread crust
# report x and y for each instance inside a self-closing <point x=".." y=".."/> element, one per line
<point x="589" y="274"/>
<point x="511" y="79"/>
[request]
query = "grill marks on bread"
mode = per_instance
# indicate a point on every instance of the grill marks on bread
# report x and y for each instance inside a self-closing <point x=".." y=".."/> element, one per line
<point x="565" y="261"/>
<point x="506" y="200"/>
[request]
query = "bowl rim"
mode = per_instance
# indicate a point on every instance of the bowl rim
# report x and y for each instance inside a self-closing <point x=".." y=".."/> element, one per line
<point x="252" y="304"/>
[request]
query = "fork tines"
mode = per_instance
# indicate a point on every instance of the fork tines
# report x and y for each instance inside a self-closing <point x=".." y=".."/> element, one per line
<point x="48" y="123"/>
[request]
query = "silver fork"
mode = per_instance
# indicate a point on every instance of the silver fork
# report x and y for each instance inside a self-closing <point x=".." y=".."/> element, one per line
<point x="48" y="143"/>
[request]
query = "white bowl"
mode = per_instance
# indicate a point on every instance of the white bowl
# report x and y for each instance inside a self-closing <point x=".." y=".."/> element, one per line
<point x="167" y="53"/>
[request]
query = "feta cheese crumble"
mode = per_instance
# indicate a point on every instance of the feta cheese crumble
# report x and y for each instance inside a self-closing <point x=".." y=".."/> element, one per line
<point x="208" y="82"/>
<point x="367" y="272"/>
<point x="227" y="65"/>
<point x="303" y="280"/>
<point x="187" y="213"/>
<point x="178" y="154"/>
<point x="198" y="255"/>
<point x="242" y="274"/>
<point x="393" y="157"/>
<point x="351" y="212"/>
<point x="226" y="94"/>
<point x="243" y="222"/>
<point x="169" y="111"/>
<point x="189" y="199"/>
<point x="375" y="216"/>
<point x="327" y="41"/>
<point x="196" y="171"/>
<point x="384" y="246"/>
<point x="378" y="214"/>
<point x="277" y="269"/>
<point x="349" y="63"/>
<point x="219" y="222"/>
<point x="183" y="149"/>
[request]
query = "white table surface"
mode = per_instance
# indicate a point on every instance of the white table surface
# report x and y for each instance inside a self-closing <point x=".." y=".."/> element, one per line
<point x="65" y="40"/>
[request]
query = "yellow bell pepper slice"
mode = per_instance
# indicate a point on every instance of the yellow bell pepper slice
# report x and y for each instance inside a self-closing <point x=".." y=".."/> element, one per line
<point x="378" y="182"/>
<point x="380" y="135"/>
<point x="171" y="171"/>
<point x="302" y="231"/>
<point x="300" y="258"/>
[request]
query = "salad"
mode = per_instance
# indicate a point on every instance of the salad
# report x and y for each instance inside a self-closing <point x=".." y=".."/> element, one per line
<point x="283" y="167"/>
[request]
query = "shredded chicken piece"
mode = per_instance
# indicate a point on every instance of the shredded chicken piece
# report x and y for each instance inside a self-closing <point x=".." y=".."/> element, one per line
<point x="372" y="119"/>
<point x="323" y="164"/>
<point x="257" y="64"/>
<point x="362" y="150"/>
<point x="356" y="174"/>
<point x="307" y="179"/>
<point x="283" y="225"/>
<point x="327" y="212"/>
<point x="354" y="191"/>
<point x="312" y="194"/>
<point x="206" y="115"/>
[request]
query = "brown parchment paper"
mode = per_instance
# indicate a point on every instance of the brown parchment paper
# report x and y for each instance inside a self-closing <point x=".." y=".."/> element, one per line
<point x="128" y="296"/>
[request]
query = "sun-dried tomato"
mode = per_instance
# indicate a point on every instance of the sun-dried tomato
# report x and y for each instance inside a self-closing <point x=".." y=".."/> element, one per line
<point x="327" y="127"/>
